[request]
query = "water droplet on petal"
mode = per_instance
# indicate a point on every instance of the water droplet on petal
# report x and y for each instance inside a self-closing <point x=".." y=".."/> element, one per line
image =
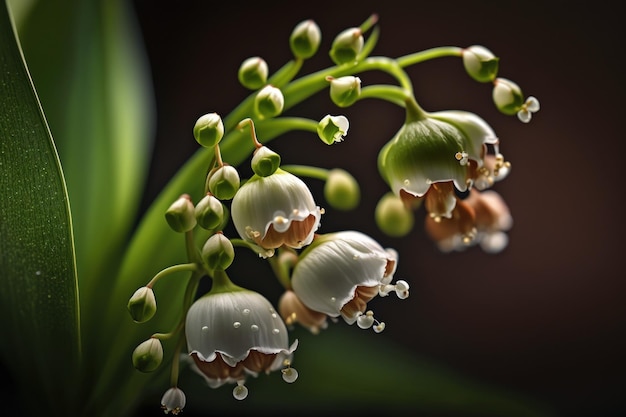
<point x="236" y="325"/>
<point x="254" y="328"/>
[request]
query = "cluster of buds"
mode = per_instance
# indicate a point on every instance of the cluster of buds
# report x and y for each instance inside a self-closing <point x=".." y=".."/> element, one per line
<point x="446" y="162"/>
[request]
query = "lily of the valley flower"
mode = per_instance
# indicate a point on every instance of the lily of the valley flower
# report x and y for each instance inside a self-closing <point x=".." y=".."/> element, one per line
<point x="341" y="272"/>
<point x="173" y="401"/>
<point x="482" y="218"/>
<point x="294" y="311"/>
<point x="275" y="210"/>
<point x="435" y="156"/>
<point x="233" y="334"/>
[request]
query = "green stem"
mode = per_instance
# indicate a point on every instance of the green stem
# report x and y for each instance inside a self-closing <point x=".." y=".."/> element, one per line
<point x="307" y="171"/>
<point x="176" y="361"/>
<point x="282" y="265"/>
<point x="394" y="94"/>
<point x="428" y="54"/>
<point x="286" y="73"/>
<point x="172" y="269"/>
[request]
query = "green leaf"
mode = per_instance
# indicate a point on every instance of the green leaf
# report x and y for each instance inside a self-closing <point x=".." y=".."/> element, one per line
<point x="91" y="72"/>
<point x="39" y="313"/>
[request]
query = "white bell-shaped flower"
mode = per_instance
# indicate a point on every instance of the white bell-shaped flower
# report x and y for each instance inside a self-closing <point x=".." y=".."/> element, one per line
<point x="275" y="210"/>
<point x="341" y="272"/>
<point x="173" y="401"/>
<point x="232" y="334"/>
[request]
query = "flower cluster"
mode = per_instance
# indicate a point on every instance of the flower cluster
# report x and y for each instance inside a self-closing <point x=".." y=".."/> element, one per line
<point x="444" y="161"/>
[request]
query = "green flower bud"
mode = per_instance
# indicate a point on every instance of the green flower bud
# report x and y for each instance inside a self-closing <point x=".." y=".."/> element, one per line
<point x="422" y="153"/>
<point x="223" y="182"/>
<point x="507" y="96"/>
<point x="341" y="190"/>
<point x="148" y="355"/>
<point x="253" y="73"/>
<point x="393" y="217"/>
<point x="265" y="161"/>
<point x="209" y="212"/>
<point x="181" y="214"/>
<point x="347" y="46"/>
<point x="345" y="91"/>
<point x="218" y="252"/>
<point x="305" y="39"/>
<point x="332" y="129"/>
<point x="142" y="305"/>
<point x="269" y="102"/>
<point x="480" y="63"/>
<point x="209" y="130"/>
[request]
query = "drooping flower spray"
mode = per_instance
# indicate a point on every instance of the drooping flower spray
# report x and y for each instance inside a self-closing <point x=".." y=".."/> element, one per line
<point x="443" y="162"/>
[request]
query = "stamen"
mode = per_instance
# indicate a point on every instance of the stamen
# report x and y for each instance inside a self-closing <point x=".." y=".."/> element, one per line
<point x="462" y="157"/>
<point x="469" y="237"/>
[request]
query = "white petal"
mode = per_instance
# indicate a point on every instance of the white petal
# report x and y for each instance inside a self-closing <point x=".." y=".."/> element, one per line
<point x="326" y="277"/>
<point x="524" y="115"/>
<point x="276" y="200"/>
<point x="232" y="324"/>
<point x="532" y="104"/>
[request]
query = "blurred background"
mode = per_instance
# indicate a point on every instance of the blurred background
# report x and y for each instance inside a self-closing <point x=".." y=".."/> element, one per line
<point x="546" y="317"/>
<point x="537" y="330"/>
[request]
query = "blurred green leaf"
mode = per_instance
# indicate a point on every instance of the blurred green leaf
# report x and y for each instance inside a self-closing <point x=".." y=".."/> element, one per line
<point x="347" y="370"/>
<point x="39" y="312"/>
<point x="89" y="67"/>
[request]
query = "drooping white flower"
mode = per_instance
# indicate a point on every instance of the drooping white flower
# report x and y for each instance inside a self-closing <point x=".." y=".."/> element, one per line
<point x="173" y="401"/>
<point x="233" y="334"/>
<point x="483" y="218"/>
<point x="276" y="210"/>
<point x="341" y="272"/>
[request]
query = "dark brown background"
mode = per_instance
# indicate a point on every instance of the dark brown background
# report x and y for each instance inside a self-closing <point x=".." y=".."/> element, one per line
<point x="547" y="316"/>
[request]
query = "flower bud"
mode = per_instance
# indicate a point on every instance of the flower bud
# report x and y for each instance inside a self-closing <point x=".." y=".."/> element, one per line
<point x="223" y="182"/>
<point x="332" y="129"/>
<point x="393" y="217"/>
<point x="480" y="63"/>
<point x="218" y="252"/>
<point x="305" y="39"/>
<point x="209" y="212"/>
<point x="142" y="305"/>
<point x="253" y="73"/>
<point x="148" y="355"/>
<point x="341" y="190"/>
<point x="265" y="161"/>
<point x="347" y="46"/>
<point x="209" y="130"/>
<point x="180" y="215"/>
<point x="507" y="96"/>
<point x="345" y="91"/>
<point x="269" y="102"/>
